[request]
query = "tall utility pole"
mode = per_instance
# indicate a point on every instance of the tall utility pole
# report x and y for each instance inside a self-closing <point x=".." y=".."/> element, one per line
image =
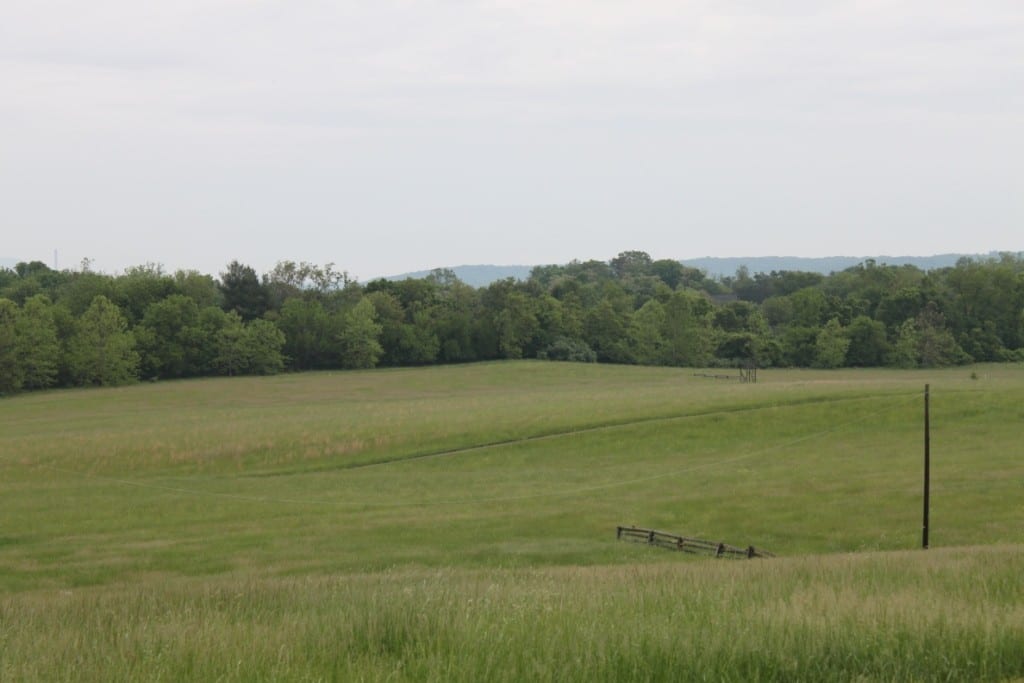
<point x="927" y="470"/>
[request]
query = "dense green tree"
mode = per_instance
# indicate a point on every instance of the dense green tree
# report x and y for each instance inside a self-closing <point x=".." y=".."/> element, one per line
<point x="671" y="272"/>
<point x="102" y="351"/>
<point x="983" y="344"/>
<point x="689" y="338"/>
<point x="868" y="343"/>
<point x="212" y="319"/>
<point x="776" y="283"/>
<point x="897" y="306"/>
<point x="924" y="341"/>
<point x="81" y="288"/>
<point x="287" y="280"/>
<point x="778" y="310"/>
<point x="509" y="321"/>
<point x="200" y="288"/>
<point x="420" y="344"/>
<point x="170" y="338"/>
<point x="631" y="264"/>
<point x="359" y="335"/>
<point x="230" y="342"/>
<point x="39" y="347"/>
<point x="799" y="345"/>
<point x="31" y="279"/>
<point x="453" y="316"/>
<point x="391" y="317"/>
<point x="677" y="276"/>
<point x="20" y="289"/>
<point x="604" y="330"/>
<point x="983" y="305"/>
<point x="31" y="268"/>
<point x="12" y="373"/>
<point x="252" y="348"/>
<point x="141" y="286"/>
<point x="739" y="316"/>
<point x="646" y="334"/>
<point x="515" y="324"/>
<point x="831" y="346"/>
<point x="407" y="337"/>
<point x="629" y="309"/>
<point x="263" y="348"/>
<point x="936" y="344"/>
<point x="7" y="278"/>
<point x="566" y="349"/>
<point x="310" y="334"/>
<point x="243" y="292"/>
<point x="810" y="307"/>
<point x="552" y="321"/>
<point x="745" y="338"/>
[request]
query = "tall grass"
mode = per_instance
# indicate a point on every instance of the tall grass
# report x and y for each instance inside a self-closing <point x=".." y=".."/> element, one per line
<point x="935" y="615"/>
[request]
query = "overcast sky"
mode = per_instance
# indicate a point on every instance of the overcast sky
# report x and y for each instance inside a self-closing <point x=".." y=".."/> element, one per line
<point x="395" y="136"/>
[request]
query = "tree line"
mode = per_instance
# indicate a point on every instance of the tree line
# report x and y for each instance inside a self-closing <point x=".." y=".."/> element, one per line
<point x="83" y="328"/>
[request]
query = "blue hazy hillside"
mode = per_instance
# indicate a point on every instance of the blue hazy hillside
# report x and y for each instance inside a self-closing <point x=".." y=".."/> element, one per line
<point x="483" y="275"/>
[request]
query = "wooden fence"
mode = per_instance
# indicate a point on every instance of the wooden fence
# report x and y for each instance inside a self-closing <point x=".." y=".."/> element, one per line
<point x="710" y="376"/>
<point x="747" y="374"/>
<point x="687" y="545"/>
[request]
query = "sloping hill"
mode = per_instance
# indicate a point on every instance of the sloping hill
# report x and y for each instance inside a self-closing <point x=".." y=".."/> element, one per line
<point x="458" y="523"/>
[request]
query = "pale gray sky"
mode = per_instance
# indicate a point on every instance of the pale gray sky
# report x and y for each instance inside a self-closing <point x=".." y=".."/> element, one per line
<point x="393" y="136"/>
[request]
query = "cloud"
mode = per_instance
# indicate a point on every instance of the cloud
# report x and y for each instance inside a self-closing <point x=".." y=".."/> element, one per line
<point x="595" y="118"/>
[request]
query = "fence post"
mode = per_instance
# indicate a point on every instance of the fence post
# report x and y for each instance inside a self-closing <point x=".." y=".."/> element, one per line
<point x="927" y="469"/>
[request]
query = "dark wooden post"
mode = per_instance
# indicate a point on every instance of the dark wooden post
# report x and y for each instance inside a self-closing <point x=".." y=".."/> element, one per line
<point x="927" y="469"/>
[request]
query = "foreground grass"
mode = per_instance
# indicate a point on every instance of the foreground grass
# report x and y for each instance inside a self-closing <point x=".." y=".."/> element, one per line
<point x="458" y="524"/>
<point x="935" y="615"/>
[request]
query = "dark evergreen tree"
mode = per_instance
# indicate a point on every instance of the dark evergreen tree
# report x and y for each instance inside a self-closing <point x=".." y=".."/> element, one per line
<point x="243" y="292"/>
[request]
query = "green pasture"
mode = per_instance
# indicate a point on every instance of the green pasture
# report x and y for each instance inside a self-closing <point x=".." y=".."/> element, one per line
<point x="459" y="523"/>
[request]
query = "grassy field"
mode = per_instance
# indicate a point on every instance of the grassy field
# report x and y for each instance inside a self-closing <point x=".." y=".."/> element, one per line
<point x="458" y="523"/>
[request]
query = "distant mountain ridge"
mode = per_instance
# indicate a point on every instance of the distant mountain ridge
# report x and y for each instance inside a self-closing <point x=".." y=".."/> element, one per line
<point x="483" y="275"/>
<point x="475" y="276"/>
<point x="720" y="266"/>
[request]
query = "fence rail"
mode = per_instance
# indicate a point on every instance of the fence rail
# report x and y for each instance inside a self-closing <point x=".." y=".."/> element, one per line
<point x="747" y="374"/>
<point x="710" y="376"/>
<point x="684" y="544"/>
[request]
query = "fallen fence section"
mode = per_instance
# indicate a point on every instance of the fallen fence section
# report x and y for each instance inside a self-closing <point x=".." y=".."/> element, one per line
<point x="704" y="374"/>
<point x="695" y="546"/>
<point x="747" y="374"/>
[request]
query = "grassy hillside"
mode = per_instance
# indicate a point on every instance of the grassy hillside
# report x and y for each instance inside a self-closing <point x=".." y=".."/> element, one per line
<point x="459" y="522"/>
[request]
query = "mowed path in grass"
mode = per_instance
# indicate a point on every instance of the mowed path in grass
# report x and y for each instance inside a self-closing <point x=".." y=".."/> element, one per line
<point x="531" y="464"/>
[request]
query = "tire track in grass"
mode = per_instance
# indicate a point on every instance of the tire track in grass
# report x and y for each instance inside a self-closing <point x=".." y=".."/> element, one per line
<point x="456" y="451"/>
<point x="606" y="426"/>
